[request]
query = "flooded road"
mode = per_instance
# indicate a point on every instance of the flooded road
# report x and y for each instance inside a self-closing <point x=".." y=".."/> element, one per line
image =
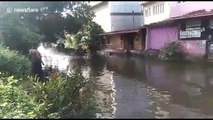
<point x="141" y="88"/>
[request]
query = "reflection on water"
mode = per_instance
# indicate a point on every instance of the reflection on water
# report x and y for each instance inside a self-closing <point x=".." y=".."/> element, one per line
<point x="141" y="88"/>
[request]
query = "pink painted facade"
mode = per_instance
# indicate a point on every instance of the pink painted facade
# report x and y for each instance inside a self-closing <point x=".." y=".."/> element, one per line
<point x="178" y="9"/>
<point x="158" y="36"/>
<point x="194" y="47"/>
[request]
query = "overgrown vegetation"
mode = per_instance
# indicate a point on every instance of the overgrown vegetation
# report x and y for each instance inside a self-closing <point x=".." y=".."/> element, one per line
<point x="58" y="98"/>
<point x="19" y="35"/>
<point x="88" y="39"/>
<point x="172" y="51"/>
<point x="21" y="96"/>
<point x="13" y="63"/>
<point x="49" y="24"/>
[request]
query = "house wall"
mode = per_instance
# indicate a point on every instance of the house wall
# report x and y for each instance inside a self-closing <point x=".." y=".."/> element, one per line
<point x="138" y="42"/>
<point x="182" y="8"/>
<point x="194" y="47"/>
<point x="157" y="17"/>
<point x="115" y="43"/>
<point x="102" y="16"/>
<point x="122" y="16"/>
<point x="122" y="22"/>
<point x="158" y="36"/>
<point x="113" y="16"/>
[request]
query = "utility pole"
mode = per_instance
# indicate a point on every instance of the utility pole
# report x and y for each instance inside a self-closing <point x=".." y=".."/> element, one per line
<point x="133" y="18"/>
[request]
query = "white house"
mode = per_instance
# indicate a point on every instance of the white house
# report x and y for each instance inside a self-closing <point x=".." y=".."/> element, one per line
<point x="117" y="15"/>
<point x="155" y="11"/>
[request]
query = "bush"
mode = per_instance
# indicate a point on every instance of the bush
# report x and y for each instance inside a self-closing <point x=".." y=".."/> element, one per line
<point x="172" y="51"/>
<point x="88" y="39"/>
<point x="13" y="62"/>
<point x="15" y="102"/>
<point x="58" y="98"/>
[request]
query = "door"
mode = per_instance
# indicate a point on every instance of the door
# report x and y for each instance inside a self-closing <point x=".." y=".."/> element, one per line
<point x="210" y="49"/>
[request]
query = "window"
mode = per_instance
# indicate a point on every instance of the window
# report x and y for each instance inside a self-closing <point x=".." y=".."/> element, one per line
<point x="193" y="23"/>
<point x="145" y="12"/>
<point x="154" y="8"/>
<point x="162" y="8"/>
<point x="191" y="29"/>
<point x="149" y="11"/>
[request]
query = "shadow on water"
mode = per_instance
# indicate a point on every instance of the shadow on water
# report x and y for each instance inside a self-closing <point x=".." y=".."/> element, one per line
<point x="134" y="87"/>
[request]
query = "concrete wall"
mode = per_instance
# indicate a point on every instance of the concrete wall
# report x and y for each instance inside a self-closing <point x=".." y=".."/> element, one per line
<point x="113" y="16"/>
<point x="157" y="17"/>
<point x="120" y="22"/>
<point x="102" y="14"/>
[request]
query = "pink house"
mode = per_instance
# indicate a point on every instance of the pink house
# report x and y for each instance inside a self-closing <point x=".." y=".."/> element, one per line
<point x="180" y="24"/>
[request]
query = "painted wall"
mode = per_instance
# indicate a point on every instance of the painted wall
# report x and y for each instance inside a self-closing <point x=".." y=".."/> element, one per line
<point x="194" y="47"/>
<point x="158" y="17"/>
<point x="102" y="17"/>
<point x="182" y="8"/>
<point x="158" y="36"/>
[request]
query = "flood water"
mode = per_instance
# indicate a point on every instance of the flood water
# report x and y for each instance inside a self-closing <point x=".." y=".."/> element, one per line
<point x="140" y="88"/>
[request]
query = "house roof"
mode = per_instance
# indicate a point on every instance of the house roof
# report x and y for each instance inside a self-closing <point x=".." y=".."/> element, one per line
<point x="194" y="14"/>
<point x="164" y="22"/>
<point x="122" y="31"/>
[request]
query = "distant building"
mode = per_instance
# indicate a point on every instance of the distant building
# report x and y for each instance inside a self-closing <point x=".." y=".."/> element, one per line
<point x="113" y="16"/>
<point x="189" y="23"/>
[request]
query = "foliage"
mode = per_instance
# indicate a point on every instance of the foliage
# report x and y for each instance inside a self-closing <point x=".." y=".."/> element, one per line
<point x="88" y="39"/>
<point x="13" y="62"/>
<point x="15" y="102"/>
<point x="62" y="96"/>
<point x="49" y="18"/>
<point x="172" y="51"/>
<point x="18" y="35"/>
<point x="58" y="98"/>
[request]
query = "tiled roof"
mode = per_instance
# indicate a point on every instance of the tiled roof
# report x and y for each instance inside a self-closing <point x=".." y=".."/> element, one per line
<point x="194" y="14"/>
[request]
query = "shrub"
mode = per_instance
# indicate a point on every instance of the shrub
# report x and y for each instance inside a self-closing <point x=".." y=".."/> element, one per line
<point x="15" y="102"/>
<point x="13" y="62"/>
<point x="171" y="51"/>
<point x="58" y="98"/>
<point x="61" y="95"/>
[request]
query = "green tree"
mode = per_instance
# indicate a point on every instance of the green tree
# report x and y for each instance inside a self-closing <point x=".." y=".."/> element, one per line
<point x="87" y="39"/>
<point x="19" y="35"/>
